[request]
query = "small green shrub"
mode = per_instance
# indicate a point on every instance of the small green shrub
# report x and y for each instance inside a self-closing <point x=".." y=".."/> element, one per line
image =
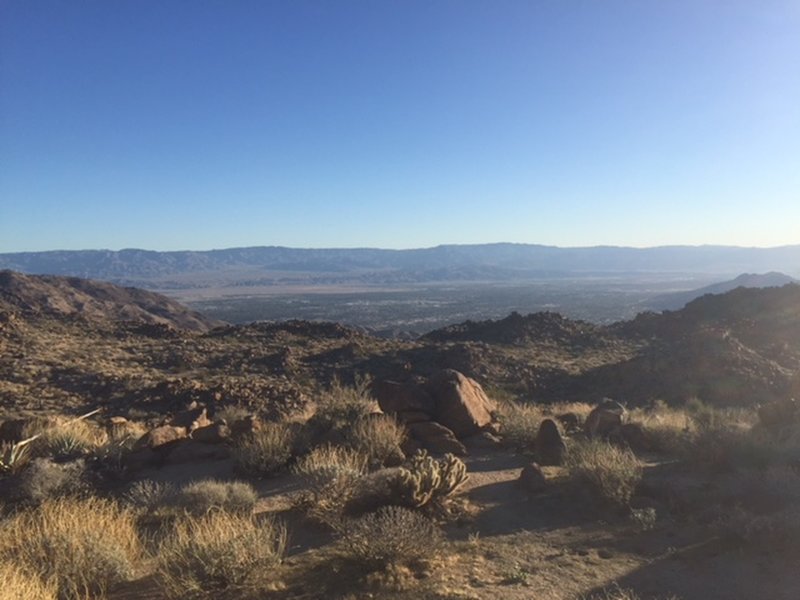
<point x="390" y="536"/>
<point x="218" y="553"/>
<point x="608" y="472"/>
<point x="266" y="451"/>
<point x="199" y="497"/>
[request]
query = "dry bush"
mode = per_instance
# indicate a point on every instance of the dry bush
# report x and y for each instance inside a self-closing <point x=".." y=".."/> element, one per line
<point x="82" y="547"/>
<point x="390" y="536"/>
<point x="44" y="479"/>
<point x="266" y="451"/>
<point x="725" y="446"/>
<point x="609" y="472"/>
<point x="199" y="497"/>
<point x="341" y="406"/>
<point x="231" y="414"/>
<point x="378" y="437"/>
<point x="15" y="584"/>
<point x="217" y="554"/>
<point x="668" y="429"/>
<point x="329" y="473"/>
<point x="519" y="423"/>
<point x="580" y="409"/>
<point x="779" y="529"/>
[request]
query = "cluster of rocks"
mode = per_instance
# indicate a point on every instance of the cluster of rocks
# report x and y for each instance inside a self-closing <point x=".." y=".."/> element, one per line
<point x="187" y="436"/>
<point x="440" y="413"/>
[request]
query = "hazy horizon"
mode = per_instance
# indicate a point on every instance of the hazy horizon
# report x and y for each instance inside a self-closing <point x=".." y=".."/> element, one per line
<point x="398" y="125"/>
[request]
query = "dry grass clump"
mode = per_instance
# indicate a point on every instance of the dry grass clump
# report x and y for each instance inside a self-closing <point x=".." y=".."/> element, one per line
<point x="199" y="497"/>
<point x="669" y="430"/>
<point x="82" y="547"/>
<point x="266" y="451"/>
<point x="15" y="584"/>
<point x="519" y="423"/>
<point x="609" y="472"/>
<point x="341" y="406"/>
<point x="330" y="473"/>
<point x="70" y="440"/>
<point x="390" y="536"/>
<point x="218" y="554"/>
<point x="379" y="437"/>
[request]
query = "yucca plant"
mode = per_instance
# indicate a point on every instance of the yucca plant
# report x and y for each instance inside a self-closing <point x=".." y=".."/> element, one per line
<point x="14" y="457"/>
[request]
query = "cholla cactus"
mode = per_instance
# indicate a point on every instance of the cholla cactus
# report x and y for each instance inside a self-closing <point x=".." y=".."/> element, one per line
<point x="426" y="479"/>
<point x="453" y="474"/>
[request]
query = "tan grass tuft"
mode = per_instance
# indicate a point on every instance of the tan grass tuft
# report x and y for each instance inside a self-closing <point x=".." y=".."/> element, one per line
<point x="219" y="553"/>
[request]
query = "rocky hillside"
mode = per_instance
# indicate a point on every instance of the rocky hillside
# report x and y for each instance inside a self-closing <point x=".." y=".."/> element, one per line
<point x="94" y="301"/>
<point x="678" y="300"/>
<point x="79" y="344"/>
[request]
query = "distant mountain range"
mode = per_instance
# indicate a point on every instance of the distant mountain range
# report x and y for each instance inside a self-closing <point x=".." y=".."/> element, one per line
<point x="678" y="300"/>
<point x="271" y="265"/>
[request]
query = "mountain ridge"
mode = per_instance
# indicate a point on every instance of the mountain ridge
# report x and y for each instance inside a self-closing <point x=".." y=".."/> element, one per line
<point x="266" y="265"/>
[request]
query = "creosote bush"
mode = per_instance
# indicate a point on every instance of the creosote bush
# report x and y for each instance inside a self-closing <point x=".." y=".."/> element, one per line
<point x="199" y="497"/>
<point x="609" y="472"/>
<point x="390" y="536"/>
<point x="266" y="451"/>
<point x="80" y="546"/>
<point x="217" y="554"/>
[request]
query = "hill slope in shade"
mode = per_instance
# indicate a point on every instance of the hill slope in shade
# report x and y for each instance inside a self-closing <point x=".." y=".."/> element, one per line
<point x="94" y="301"/>
<point x="677" y="300"/>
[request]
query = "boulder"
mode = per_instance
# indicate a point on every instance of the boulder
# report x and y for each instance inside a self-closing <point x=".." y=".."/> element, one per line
<point x="193" y="418"/>
<point x="460" y="403"/>
<point x="189" y="450"/>
<point x="436" y="438"/>
<point x="412" y="416"/>
<point x="245" y="426"/>
<point x="550" y="448"/>
<point x="532" y="479"/>
<point x="605" y="419"/>
<point x="569" y="421"/>
<point x="634" y="436"/>
<point x="483" y="441"/>
<point x="13" y="430"/>
<point x="216" y="433"/>
<point x="394" y="397"/>
<point x="160" y="436"/>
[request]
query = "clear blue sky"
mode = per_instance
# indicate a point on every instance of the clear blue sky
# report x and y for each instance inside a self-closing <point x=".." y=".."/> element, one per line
<point x="193" y="124"/>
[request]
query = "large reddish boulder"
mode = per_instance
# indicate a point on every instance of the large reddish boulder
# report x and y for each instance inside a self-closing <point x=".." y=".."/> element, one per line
<point x="394" y="397"/>
<point x="436" y="438"/>
<point x="160" y="436"/>
<point x="192" y="418"/>
<point x="460" y="403"/>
